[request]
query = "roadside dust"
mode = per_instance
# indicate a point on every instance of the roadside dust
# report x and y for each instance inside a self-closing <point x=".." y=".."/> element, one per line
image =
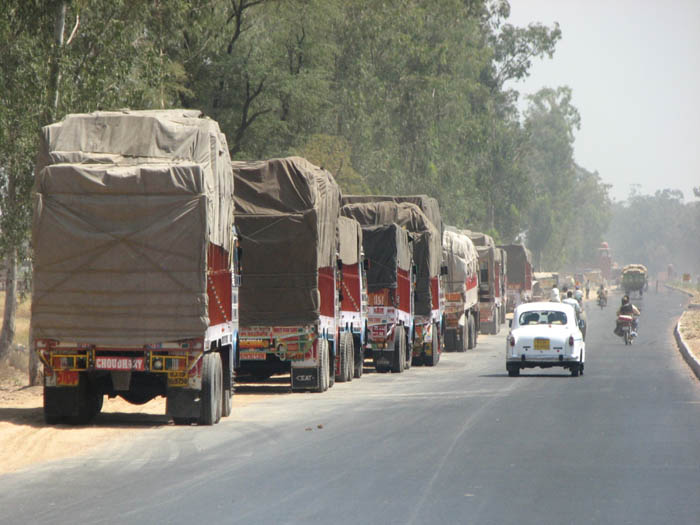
<point x="26" y="440"/>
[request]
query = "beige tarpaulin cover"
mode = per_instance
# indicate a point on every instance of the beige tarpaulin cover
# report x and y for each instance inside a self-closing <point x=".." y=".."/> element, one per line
<point x="349" y="240"/>
<point x="287" y="215"/>
<point x="461" y="258"/>
<point x="143" y="137"/>
<point x="125" y="203"/>
<point x="519" y="257"/>
<point x="427" y="245"/>
<point x="428" y="205"/>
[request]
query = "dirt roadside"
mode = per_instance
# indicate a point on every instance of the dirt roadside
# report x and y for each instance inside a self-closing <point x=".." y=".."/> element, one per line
<point x="26" y="440"/>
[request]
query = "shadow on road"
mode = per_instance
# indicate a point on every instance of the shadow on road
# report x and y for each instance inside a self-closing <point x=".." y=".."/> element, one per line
<point x="34" y="417"/>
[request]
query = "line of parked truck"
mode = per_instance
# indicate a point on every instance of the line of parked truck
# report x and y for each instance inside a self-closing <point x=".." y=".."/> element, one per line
<point x="163" y="268"/>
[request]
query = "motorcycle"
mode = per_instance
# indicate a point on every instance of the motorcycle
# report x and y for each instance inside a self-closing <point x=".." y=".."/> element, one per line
<point x="602" y="301"/>
<point x="626" y="327"/>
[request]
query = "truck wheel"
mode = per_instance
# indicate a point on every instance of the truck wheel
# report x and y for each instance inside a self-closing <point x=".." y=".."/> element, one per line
<point x="212" y="380"/>
<point x="344" y="354"/>
<point x="359" y="357"/>
<point x="513" y="371"/>
<point x="435" y="358"/>
<point x="323" y="368"/>
<point x="471" y="328"/>
<point x="351" y="360"/>
<point x="399" y="363"/>
<point x="226" y="402"/>
<point x="464" y="339"/>
<point x="409" y="352"/>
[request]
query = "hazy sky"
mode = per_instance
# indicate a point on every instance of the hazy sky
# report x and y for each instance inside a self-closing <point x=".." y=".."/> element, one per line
<point x="634" y="68"/>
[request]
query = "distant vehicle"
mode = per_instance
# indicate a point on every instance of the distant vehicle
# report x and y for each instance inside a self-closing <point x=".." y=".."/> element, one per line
<point x="519" y="275"/>
<point x="492" y="287"/>
<point x="634" y="279"/>
<point x="543" y="284"/>
<point x="544" y="335"/>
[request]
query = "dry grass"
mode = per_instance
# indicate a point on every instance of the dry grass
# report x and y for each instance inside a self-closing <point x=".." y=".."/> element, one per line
<point x="690" y="329"/>
<point x="18" y="357"/>
<point x="688" y="287"/>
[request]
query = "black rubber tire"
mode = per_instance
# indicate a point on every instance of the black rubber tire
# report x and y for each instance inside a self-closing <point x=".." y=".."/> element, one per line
<point x="351" y="358"/>
<point x="226" y="402"/>
<point x="575" y="370"/>
<point x="323" y="366"/>
<point x="212" y="383"/>
<point x="359" y="357"/>
<point x="399" y="363"/>
<point x="463" y="342"/>
<point x="183" y="421"/>
<point x="345" y="354"/>
<point x="409" y="352"/>
<point x="513" y="371"/>
<point x="470" y="332"/>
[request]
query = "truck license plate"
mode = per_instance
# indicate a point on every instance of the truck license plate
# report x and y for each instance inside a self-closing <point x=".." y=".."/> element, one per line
<point x="541" y="344"/>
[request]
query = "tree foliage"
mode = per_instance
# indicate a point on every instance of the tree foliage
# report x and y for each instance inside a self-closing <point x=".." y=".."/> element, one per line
<point x="399" y="96"/>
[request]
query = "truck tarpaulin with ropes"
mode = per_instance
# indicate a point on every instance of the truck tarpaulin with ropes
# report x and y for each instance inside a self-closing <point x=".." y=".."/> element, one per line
<point x="634" y="278"/>
<point x="519" y="275"/>
<point x="390" y="286"/>
<point x="353" y="299"/>
<point x="287" y="213"/>
<point x="135" y="264"/>
<point x="427" y="256"/>
<point x="492" y="285"/>
<point x="461" y="291"/>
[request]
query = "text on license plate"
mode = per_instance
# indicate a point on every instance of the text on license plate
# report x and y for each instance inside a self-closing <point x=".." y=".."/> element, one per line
<point x="541" y="344"/>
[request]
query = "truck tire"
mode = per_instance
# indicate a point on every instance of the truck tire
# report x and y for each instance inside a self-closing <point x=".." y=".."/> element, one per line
<point x="359" y="357"/>
<point x="226" y="402"/>
<point x="53" y="415"/>
<point x="409" y="351"/>
<point x="463" y="341"/>
<point x="399" y="362"/>
<point x="212" y="380"/>
<point x="471" y="328"/>
<point x="433" y="359"/>
<point x="76" y="405"/>
<point x="344" y="354"/>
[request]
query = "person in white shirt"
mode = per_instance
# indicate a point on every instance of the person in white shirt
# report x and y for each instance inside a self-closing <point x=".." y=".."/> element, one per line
<point x="579" y="312"/>
<point x="554" y="295"/>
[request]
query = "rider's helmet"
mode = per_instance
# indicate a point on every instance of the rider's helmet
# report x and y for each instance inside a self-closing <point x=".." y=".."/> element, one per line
<point x="625" y="299"/>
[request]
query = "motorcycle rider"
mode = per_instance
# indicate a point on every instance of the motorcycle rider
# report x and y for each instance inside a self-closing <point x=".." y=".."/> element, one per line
<point x="627" y="308"/>
<point x="578" y="294"/>
<point x="602" y="294"/>
<point x="579" y="311"/>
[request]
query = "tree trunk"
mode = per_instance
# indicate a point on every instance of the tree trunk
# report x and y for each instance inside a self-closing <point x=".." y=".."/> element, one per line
<point x="7" y="335"/>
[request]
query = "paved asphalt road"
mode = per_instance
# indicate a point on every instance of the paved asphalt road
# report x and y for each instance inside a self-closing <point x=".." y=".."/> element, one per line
<point x="461" y="443"/>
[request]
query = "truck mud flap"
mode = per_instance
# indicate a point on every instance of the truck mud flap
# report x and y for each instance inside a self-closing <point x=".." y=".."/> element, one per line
<point x="304" y="378"/>
<point x="183" y="403"/>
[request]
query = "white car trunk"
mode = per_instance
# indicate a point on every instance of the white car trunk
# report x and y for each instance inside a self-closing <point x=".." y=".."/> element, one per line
<point x="542" y="341"/>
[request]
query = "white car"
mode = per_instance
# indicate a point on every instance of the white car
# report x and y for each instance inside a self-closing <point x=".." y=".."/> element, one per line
<point x="544" y="335"/>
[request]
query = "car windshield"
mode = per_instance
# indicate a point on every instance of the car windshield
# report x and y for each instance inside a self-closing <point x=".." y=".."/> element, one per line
<point x="542" y="317"/>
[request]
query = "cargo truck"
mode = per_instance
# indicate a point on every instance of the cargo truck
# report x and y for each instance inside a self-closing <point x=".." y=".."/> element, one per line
<point x="135" y="264"/>
<point x="491" y="286"/>
<point x="461" y="291"/>
<point x="427" y="256"/>
<point x="353" y="299"/>
<point x="519" y="275"/>
<point x="390" y="285"/>
<point x="634" y="279"/>
<point x="287" y="212"/>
